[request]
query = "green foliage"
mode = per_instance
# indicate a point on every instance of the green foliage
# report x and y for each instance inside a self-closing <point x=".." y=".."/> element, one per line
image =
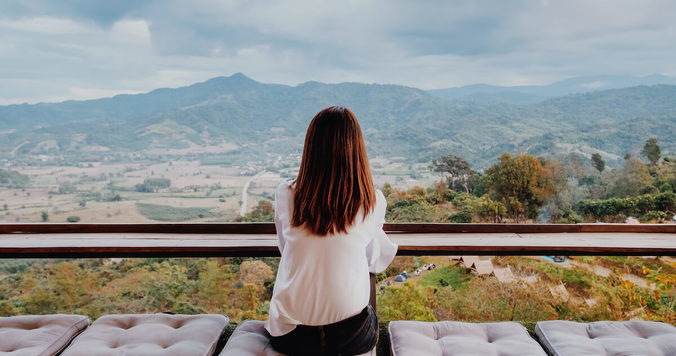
<point x="151" y="185"/>
<point x="263" y="212"/>
<point x="598" y="162"/>
<point x="73" y="219"/>
<point x="452" y="276"/>
<point x="387" y="189"/>
<point x="410" y="209"/>
<point x="631" y="180"/>
<point x="455" y="167"/>
<point x="623" y="207"/>
<point x="96" y="287"/>
<point x="653" y="215"/>
<point x="569" y="277"/>
<point x="66" y="188"/>
<point x="485" y="208"/>
<point x="9" y="266"/>
<point x="172" y="213"/>
<point x="463" y="216"/>
<point x="651" y="151"/>
<point x="518" y="183"/>
<point x="408" y="302"/>
<point x="13" y="179"/>
<point x="45" y="216"/>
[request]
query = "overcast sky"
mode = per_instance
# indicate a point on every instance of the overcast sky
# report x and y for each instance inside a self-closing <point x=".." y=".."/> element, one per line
<point x="80" y="49"/>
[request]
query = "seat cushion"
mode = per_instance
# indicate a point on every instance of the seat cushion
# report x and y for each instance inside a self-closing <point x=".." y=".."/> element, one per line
<point x="451" y="338"/>
<point x="150" y="335"/>
<point x="43" y="335"/>
<point x="650" y="338"/>
<point x="251" y="339"/>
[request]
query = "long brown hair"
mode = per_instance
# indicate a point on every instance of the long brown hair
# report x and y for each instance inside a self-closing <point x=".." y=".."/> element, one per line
<point x="334" y="181"/>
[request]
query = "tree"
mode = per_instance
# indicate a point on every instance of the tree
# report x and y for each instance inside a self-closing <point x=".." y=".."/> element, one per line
<point x="598" y="162"/>
<point x="575" y="166"/>
<point x="263" y="212"/>
<point x="651" y="151"/>
<point x="66" y="188"/>
<point x="255" y="272"/>
<point x="630" y="180"/>
<point x="387" y="189"/>
<point x="152" y="185"/>
<point x="409" y="302"/>
<point x="455" y="166"/>
<point x="214" y="286"/>
<point x="554" y="191"/>
<point x="45" y="216"/>
<point x="518" y="183"/>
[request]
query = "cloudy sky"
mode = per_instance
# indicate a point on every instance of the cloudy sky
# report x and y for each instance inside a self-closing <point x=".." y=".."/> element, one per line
<point x="79" y="49"/>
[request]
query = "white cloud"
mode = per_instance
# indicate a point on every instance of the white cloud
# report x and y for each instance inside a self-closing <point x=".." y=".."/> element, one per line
<point x="133" y="32"/>
<point x="132" y="46"/>
<point x="44" y="25"/>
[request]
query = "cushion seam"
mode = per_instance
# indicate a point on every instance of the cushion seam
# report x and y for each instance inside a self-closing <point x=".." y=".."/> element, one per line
<point x="542" y="335"/>
<point x="212" y="349"/>
<point x="74" y="330"/>
<point x="389" y="332"/>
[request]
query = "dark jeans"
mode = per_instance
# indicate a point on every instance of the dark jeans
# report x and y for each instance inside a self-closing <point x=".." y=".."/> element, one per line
<point x="353" y="336"/>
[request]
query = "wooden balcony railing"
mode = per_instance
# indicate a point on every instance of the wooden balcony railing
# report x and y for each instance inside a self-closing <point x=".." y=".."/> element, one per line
<point x="259" y="239"/>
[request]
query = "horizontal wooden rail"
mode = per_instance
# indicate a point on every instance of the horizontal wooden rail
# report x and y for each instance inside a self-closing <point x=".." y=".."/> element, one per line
<point x="269" y="228"/>
<point x="259" y="239"/>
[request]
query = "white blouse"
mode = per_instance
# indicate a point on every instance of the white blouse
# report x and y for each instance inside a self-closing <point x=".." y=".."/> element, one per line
<point x="323" y="280"/>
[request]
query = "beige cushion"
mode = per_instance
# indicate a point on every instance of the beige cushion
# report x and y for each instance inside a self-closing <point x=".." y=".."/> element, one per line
<point x="601" y="338"/>
<point x="42" y="335"/>
<point x="451" y="338"/>
<point x="150" y="335"/>
<point x="251" y="339"/>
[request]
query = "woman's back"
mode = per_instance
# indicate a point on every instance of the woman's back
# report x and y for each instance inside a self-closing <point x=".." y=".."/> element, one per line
<point x="322" y="280"/>
<point x="329" y="225"/>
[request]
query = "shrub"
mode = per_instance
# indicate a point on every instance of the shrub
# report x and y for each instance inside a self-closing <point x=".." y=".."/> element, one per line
<point x="463" y="216"/>
<point x="73" y="219"/>
<point x="408" y="302"/>
<point x="653" y="215"/>
<point x="171" y="213"/>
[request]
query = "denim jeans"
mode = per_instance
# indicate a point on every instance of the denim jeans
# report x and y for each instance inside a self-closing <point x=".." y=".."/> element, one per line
<point x="353" y="336"/>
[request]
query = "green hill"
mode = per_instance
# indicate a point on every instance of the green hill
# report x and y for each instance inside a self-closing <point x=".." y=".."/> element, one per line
<point x="264" y="119"/>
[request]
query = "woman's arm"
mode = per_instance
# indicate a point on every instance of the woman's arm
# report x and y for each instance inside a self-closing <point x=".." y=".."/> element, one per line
<point x="281" y="205"/>
<point x="381" y="250"/>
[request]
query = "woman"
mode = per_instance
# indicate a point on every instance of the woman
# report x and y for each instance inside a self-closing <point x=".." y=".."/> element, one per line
<point x="329" y="223"/>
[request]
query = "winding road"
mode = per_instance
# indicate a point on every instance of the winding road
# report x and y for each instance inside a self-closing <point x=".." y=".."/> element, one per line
<point x="245" y="193"/>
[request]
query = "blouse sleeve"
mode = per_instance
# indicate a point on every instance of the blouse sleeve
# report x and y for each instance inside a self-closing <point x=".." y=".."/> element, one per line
<point x="281" y="204"/>
<point x="380" y="251"/>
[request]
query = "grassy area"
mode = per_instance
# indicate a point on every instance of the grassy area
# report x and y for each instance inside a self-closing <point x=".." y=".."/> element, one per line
<point x="635" y="264"/>
<point x="579" y="277"/>
<point x="171" y="213"/>
<point x="216" y="193"/>
<point x="452" y="276"/>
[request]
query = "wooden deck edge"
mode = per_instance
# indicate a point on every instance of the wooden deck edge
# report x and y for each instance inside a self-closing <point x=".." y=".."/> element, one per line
<point x="269" y="228"/>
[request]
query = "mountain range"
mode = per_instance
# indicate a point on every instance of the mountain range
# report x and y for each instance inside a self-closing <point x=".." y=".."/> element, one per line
<point x="237" y="118"/>
<point x="530" y="94"/>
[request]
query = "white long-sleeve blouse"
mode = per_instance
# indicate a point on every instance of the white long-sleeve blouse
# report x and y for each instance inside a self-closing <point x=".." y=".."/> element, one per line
<point x="322" y="280"/>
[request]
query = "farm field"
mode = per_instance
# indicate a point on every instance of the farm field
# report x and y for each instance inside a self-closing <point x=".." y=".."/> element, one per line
<point x="114" y="193"/>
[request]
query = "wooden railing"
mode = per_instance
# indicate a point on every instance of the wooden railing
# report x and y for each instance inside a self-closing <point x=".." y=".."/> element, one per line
<point x="259" y="239"/>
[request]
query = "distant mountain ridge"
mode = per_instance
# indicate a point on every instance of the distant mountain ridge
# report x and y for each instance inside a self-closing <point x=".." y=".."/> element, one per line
<point x="528" y="94"/>
<point x="256" y="121"/>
